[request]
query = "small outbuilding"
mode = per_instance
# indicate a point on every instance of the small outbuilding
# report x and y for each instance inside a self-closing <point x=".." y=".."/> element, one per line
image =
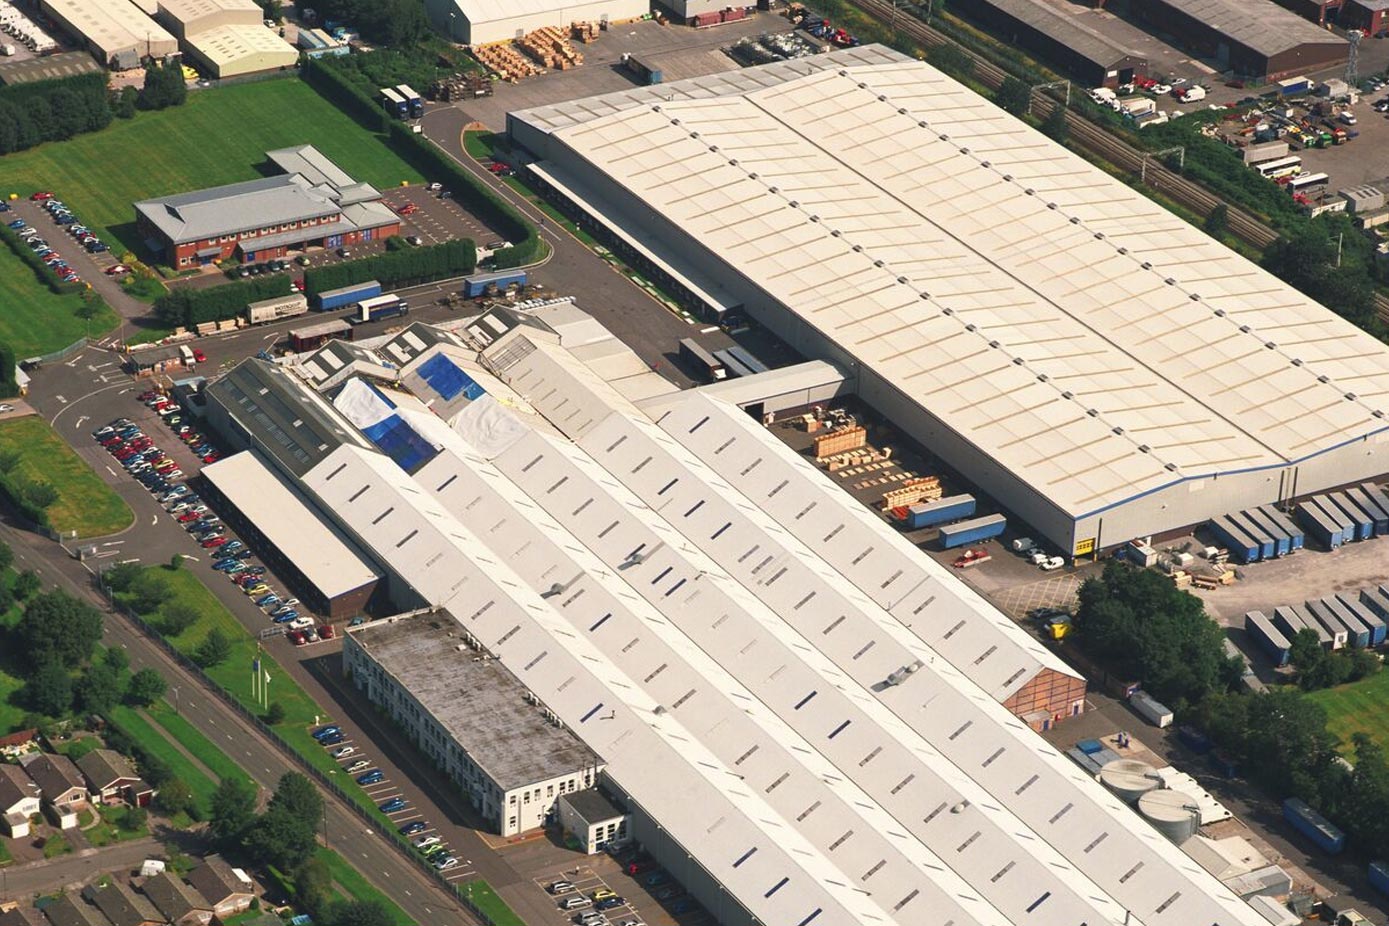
<point x="594" y="820"/>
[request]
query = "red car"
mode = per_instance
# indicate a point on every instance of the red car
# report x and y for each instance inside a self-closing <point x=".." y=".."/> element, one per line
<point x="408" y="209"/>
<point x="212" y="542"/>
<point x="199" y="356"/>
<point x="296" y="637"/>
<point x="111" y="441"/>
<point x="325" y="632"/>
<point x="211" y="458"/>
<point x="40" y="197"/>
<point x="188" y="516"/>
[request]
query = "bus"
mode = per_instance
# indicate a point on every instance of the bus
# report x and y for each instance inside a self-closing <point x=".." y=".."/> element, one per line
<point x="1283" y="167"/>
<point x="701" y="360"/>
<point x="1308" y="183"/>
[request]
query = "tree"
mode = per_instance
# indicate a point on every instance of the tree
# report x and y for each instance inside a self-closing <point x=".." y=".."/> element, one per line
<point x="176" y="562"/>
<point x="358" y="913"/>
<point x="58" y="628"/>
<point x="148" y="591"/>
<point x="281" y="839"/>
<point x="1305" y="651"/>
<point x="233" y="810"/>
<point x="27" y="584"/>
<point x="1054" y="125"/>
<point x="177" y="617"/>
<point x="6" y="555"/>
<point x="146" y="687"/>
<point x="154" y="768"/>
<point x="9" y="459"/>
<point x="164" y="86"/>
<point x="116" y="658"/>
<point x="121" y="576"/>
<point x="313" y="887"/>
<point x="48" y="691"/>
<point x="950" y="59"/>
<point x="126" y="103"/>
<point x="1013" y="96"/>
<point x="296" y="796"/>
<point x="176" y="797"/>
<point x="99" y="689"/>
<point x="39" y="493"/>
<point x="214" y="649"/>
<point x="275" y="714"/>
<point x="1218" y="221"/>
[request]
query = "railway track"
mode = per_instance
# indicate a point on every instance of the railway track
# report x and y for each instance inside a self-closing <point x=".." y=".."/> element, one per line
<point x="1097" y="141"/>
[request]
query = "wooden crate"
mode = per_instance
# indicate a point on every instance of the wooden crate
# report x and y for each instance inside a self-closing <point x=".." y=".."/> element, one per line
<point x="839" y="441"/>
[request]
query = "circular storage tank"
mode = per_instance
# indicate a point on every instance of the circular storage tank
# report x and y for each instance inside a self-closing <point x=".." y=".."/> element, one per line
<point x="1174" y="814"/>
<point x="1129" y="779"/>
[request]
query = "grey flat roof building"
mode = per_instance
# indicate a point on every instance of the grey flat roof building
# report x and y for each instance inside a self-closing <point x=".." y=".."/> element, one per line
<point x="236" y="207"/>
<point x="476" y="699"/>
<point x="51" y="67"/>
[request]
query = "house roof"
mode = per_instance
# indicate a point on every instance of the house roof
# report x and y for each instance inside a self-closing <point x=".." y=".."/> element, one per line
<point x="55" y="774"/>
<point x="216" y="880"/>
<point x="15" y="786"/>
<point x="106" y="767"/>
<point x="121" y="905"/>
<point x="173" y="898"/>
<point x="72" y="910"/>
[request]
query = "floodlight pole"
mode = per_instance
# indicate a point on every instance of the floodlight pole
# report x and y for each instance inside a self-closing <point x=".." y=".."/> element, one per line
<point x="1178" y="150"/>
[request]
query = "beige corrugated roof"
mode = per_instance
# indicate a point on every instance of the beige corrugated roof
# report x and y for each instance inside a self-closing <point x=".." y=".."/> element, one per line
<point x="1090" y="341"/>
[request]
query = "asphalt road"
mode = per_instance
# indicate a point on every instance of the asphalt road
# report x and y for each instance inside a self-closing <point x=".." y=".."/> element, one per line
<point x="48" y="875"/>
<point x="423" y="899"/>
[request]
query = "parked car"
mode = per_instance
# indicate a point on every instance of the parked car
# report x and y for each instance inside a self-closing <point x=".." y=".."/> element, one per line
<point x="425" y="842"/>
<point x="375" y="776"/>
<point x="326" y="632"/>
<point x="326" y="730"/>
<point x="413" y="827"/>
<point x="343" y="752"/>
<point x="394" y="805"/>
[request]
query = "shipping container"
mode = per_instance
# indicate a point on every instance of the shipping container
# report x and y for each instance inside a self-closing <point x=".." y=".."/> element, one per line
<point x="1290" y="619"/>
<point x="1337" y="516"/>
<point x="747" y="358"/>
<point x="929" y="514"/>
<point x="1376" y="494"/>
<point x="1255" y="531"/>
<point x="269" y="310"/>
<point x="1366" y="615"/>
<point x="1242" y="548"/>
<point x="644" y="71"/>
<point x="315" y="336"/>
<point x="485" y="284"/>
<point x="394" y="103"/>
<point x="957" y="535"/>
<point x="1267" y="151"/>
<point x="345" y="296"/>
<point x="1150" y="709"/>
<point x="1357" y="631"/>
<point x="1294" y="85"/>
<point x="1261" y="629"/>
<point x="1371" y="508"/>
<point x="1376" y="601"/>
<point x="1379" y="876"/>
<point x="732" y="364"/>
<point x="1321" y="528"/>
<point x="1286" y="523"/>
<point x="1324" y="834"/>
<point x="413" y="102"/>
<point x="1316" y="611"/>
<point x="1363" y="523"/>
<point x="1282" y="541"/>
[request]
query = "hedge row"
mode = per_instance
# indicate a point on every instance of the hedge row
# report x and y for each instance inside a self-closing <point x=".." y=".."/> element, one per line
<point x="324" y="76"/>
<point x="41" y="270"/>
<point x="403" y="267"/>
<point x="18" y="493"/>
<point x="188" y="307"/>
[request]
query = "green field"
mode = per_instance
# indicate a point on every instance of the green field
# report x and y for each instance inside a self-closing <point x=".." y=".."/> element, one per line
<point x="85" y="504"/>
<point x="199" y="746"/>
<point x="1360" y="707"/>
<point x="219" y="136"/>
<point x="147" y="736"/>
<point x="33" y="320"/>
<point x="358" y="887"/>
<point x="11" y="715"/>
<point x="482" y="896"/>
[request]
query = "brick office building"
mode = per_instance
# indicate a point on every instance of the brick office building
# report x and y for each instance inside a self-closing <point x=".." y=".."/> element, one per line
<point x="311" y="202"/>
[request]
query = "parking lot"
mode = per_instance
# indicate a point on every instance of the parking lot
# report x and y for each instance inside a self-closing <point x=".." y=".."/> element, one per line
<point x="437" y="218"/>
<point x="649" y="896"/>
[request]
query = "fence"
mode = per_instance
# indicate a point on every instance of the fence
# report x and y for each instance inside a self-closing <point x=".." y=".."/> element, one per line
<point x="61" y="354"/>
<point x="289" y="752"/>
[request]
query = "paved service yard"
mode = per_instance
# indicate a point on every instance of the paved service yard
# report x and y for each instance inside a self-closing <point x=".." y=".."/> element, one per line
<point x="438" y="219"/>
<point x="589" y="874"/>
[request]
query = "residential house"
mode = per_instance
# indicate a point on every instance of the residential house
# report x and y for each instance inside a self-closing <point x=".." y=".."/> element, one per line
<point x="19" y="800"/>
<point x="19" y="915"/>
<point x="179" y="903"/>
<point x="71" y="910"/>
<point x="15" y="745"/>
<point x="62" y="786"/>
<point x="229" y="890"/>
<point x="112" y="778"/>
<point x="121" y="905"/>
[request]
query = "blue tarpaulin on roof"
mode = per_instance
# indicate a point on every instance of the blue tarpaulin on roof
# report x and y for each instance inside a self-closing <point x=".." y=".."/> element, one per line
<point x="401" y="442"/>
<point x="445" y="378"/>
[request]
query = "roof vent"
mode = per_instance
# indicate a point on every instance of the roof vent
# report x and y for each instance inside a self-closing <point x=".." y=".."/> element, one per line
<point x="861" y="85"/>
<point x="882" y="98"/>
<point x="1093" y="412"/>
<point x="732" y="162"/>
<point x="1008" y="177"/>
<point x="1123" y="250"/>
<point x="714" y="148"/>
<point x="694" y="135"/>
<point x="1119" y="431"/>
<point x="1350" y="397"/>
<point x="1170" y="281"/>
<point x="814" y="218"/>
<point x="1075" y="220"/>
<point x="1297" y="361"/>
<point x="773" y="189"/>
<point x="1171" y="467"/>
<point x="1146" y="265"/>
<point x="835" y="233"/>
<point x="901" y="110"/>
<point x="1018" y="361"/>
<point x="1219" y="313"/>
<point x="944" y="137"/>
<point x="795" y="205"/>
<point x="1270" y="345"/>
<point x="1051" y="205"/>
<point x="1099" y="236"/>
<point x="858" y="249"/>
<point x="1144" y="448"/>
<point x="971" y="327"/>
<point x="947" y="311"/>
<point x="676" y="122"/>
<point x="1042" y="378"/>
<point x="1068" y="395"/>
<point x="903" y="280"/>
<point x="752" y="176"/>
<point x="994" y="345"/>
<point x="985" y="164"/>
<point x="878" y="264"/>
<point x="843" y="73"/>
<point x="1323" y="379"/>
<point x="1030" y="192"/>
<point x="1377" y="413"/>
<point x="923" y="125"/>
<point x="1244" y="329"/>
<point x="656" y="108"/>
<point x="1195" y="297"/>
<point x="964" y="151"/>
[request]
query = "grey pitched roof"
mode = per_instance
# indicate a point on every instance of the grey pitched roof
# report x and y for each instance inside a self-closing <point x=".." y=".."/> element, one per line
<point x="71" y="910"/>
<point x="236" y="207"/>
<point x="15" y="786"/>
<point x="105" y="767"/>
<point x="1265" y="27"/>
<point x="54" y="774"/>
<point x="216" y="880"/>
<point x="1068" y="30"/>
<point x="22" y="916"/>
<point x="121" y="905"/>
<point x="173" y="898"/>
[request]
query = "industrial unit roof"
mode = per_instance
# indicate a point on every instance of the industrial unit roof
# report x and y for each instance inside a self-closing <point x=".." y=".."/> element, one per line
<point x="186" y="10"/>
<point x="50" y="67"/>
<point x="1266" y="28"/>
<point x="682" y="593"/>
<point x="480" y="11"/>
<point x="1068" y="29"/>
<point x="476" y="699"/>
<point x="1078" y="333"/>
<point x="111" y="24"/>
<point x="227" y="44"/>
<point x="237" y="207"/>
<point x="328" y="559"/>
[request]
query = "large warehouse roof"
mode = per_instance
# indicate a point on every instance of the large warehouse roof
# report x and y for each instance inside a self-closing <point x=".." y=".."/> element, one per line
<point x="113" y="26"/>
<point x="321" y="552"/>
<point x="1068" y="29"/>
<point x="1262" y="26"/>
<point x="1079" y="334"/>
<point x="681" y="610"/>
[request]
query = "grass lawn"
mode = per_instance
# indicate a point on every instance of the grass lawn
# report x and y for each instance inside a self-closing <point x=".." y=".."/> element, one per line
<point x="33" y="319"/>
<point x="1360" y="707"/>
<point x="56" y="845"/>
<point x="141" y="731"/>
<point x="85" y="503"/>
<point x="11" y="715"/>
<point x="359" y="888"/>
<point x="189" y="737"/>
<point x="481" y="895"/>
<point x="117" y="825"/>
<point x="189" y="147"/>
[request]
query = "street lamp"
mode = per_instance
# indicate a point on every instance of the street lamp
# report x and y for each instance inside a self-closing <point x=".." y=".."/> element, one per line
<point x="174" y="689"/>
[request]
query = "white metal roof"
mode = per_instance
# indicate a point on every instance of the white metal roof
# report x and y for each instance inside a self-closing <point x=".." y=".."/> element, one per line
<point x="1094" y="344"/>
<point x="114" y="25"/>
<point x="319" y="550"/>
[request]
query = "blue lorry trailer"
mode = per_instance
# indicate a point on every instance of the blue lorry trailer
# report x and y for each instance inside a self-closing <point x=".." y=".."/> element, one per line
<point x="1261" y="629"/>
<point x="345" y="296"/>
<point x="1366" y="616"/>
<point x="1318" y="526"/>
<point x="929" y="514"/>
<point x="1286" y="523"/>
<point x="1322" y="832"/>
<point x="1363" y="523"/>
<point x="966" y="532"/>
<point x="1241" y="546"/>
